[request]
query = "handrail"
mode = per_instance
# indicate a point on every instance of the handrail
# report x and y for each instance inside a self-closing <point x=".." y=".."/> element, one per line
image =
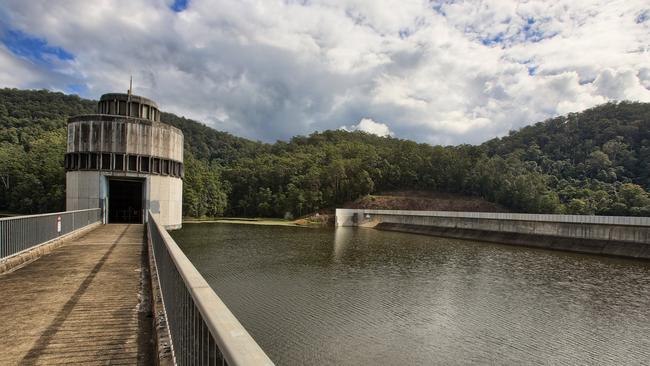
<point x="201" y="327"/>
<point x="45" y="214"/>
<point x="21" y="233"/>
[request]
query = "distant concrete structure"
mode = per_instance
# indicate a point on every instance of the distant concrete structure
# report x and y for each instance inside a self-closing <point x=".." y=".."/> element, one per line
<point x="125" y="161"/>
<point x="609" y="235"/>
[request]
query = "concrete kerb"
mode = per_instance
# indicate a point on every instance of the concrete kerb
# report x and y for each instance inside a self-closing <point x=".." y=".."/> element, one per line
<point x="25" y="257"/>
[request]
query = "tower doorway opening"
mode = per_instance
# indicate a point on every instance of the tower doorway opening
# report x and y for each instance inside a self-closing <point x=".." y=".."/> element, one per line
<point x="125" y="201"/>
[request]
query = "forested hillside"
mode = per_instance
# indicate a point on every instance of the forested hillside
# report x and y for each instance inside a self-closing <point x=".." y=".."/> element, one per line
<point x="594" y="162"/>
<point x="598" y="160"/>
<point x="32" y="144"/>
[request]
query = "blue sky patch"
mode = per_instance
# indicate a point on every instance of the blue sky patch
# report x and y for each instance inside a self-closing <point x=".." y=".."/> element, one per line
<point x="33" y="48"/>
<point x="493" y="40"/>
<point x="438" y="9"/>
<point x="79" y="89"/>
<point x="529" y="32"/>
<point x="179" y="5"/>
<point x="532" y="33"/>
<point x="438" y="6"/>
<point x="586" y="81"/>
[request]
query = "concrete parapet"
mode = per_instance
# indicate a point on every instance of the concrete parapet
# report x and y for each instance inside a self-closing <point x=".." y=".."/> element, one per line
<point x="611" y="235"/>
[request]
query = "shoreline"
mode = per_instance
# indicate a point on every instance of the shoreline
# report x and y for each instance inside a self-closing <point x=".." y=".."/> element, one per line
<point x="247" y="221"/>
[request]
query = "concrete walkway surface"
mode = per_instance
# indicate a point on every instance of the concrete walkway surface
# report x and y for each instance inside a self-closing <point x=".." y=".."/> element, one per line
<point x="84" y="303"/>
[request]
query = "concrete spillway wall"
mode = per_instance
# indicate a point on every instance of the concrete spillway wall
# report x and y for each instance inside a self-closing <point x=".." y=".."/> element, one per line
<point x="609" y="235"/>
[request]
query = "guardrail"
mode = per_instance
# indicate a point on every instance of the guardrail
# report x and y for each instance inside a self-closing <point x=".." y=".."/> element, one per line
<point x="202" y="329"/>
<point x="21" y="233"/>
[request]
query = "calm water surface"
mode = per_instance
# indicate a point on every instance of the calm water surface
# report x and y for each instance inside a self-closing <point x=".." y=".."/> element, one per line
<point x="355" y="296"/>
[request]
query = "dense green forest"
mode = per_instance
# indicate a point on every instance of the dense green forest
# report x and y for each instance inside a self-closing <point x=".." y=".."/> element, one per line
<point x="593" y="162"/>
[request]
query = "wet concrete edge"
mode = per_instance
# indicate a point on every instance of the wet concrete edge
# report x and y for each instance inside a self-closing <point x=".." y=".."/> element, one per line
<point x="576" y="245"/>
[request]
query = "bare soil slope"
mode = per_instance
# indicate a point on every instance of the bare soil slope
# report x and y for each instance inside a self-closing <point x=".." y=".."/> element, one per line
<point x="424" y="201"/>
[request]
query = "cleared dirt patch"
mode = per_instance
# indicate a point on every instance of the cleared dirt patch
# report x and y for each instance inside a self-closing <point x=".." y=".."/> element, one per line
<point x="425" y="201"/>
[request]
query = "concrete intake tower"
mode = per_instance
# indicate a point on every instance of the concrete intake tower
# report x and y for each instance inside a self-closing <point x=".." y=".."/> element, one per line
<point x="125" y="161"/>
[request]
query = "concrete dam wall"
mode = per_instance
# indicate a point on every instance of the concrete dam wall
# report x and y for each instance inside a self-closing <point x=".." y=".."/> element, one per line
<point x="607" y="235"/>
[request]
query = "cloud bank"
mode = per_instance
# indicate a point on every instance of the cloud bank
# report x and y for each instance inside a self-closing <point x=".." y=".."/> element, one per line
<point x="370" y="126"/>
<point x="434" y="71"/>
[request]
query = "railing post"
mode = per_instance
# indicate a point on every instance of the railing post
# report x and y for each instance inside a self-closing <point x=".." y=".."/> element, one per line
<point x="2" y="239"/>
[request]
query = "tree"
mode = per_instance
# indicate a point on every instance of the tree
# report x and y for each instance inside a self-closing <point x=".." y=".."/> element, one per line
<point x="633" y="195"/>
<point x="578" y="207"/>
<point x="203" y="192"/>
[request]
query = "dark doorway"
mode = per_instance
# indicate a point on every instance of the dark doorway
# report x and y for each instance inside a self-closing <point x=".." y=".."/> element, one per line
<point x="124" y="202"/>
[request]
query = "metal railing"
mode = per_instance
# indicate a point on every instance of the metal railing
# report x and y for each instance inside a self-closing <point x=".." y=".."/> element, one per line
<point x="202" y="329"/>
<point x="21" y="233"/>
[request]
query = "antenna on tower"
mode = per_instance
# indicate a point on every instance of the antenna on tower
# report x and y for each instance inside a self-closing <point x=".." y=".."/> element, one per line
<point x="130" y="87"/>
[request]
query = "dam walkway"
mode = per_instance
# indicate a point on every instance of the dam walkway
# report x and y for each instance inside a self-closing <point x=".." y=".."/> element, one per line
<point x="83" y="303"/>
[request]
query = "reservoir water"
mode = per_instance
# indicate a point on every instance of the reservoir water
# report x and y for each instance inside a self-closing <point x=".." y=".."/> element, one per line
<point x="357" y="296"/>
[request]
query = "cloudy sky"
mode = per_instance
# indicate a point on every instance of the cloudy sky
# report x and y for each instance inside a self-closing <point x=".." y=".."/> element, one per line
<point x="442" y="72"/>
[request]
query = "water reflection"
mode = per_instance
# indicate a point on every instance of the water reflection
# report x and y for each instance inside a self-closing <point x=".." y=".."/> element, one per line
<point x="342" y="236"/>
<point x="366" y="297"/>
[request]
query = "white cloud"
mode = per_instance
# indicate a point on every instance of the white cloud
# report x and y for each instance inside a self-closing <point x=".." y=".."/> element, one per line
<point x="14" y="71"/>
<point x="439" y="72"/>
<point x="621" y="84"/>
<point x="370" y="126"/>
